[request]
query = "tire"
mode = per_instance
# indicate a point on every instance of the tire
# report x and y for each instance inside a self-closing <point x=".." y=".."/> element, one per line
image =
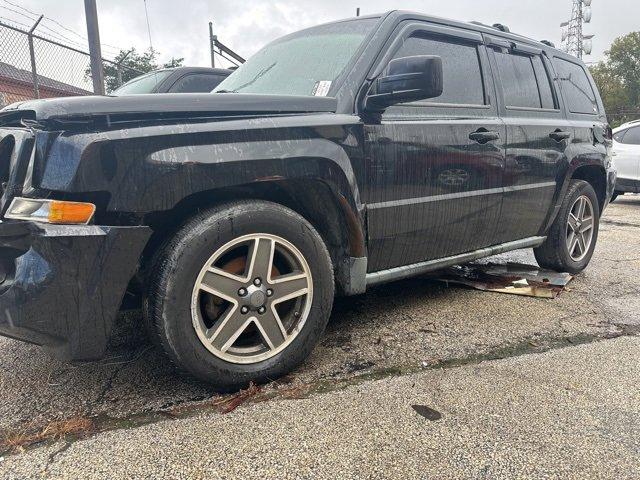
<point x="554" y="252"/>
<point x="189" y="268"/>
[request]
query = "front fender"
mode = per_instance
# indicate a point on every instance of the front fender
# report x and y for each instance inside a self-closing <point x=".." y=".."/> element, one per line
<point x="151" y="169"/>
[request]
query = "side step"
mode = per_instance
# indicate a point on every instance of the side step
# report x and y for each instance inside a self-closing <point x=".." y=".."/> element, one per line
<point x="408" y="271"/>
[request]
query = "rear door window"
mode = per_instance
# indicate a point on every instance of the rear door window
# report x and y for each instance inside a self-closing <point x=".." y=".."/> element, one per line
<point x="524" y="79"/>
<point x="576" y="87"/>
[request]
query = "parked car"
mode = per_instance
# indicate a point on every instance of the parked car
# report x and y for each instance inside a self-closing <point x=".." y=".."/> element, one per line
<point x="626" y="153"/>
<point x="175" y="80"/>
<point x="338" y="158"/>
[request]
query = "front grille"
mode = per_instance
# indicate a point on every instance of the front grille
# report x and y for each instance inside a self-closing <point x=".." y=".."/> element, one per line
<point x="16" y="149"/>
<point x="7" y="146"/>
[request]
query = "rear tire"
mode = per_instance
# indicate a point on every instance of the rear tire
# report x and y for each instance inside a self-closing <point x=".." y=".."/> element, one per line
<point x="240" y="337"/>
<point x="571" y="240"/>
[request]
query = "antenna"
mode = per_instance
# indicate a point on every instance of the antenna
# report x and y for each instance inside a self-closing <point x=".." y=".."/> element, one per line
<point x="574" y="41"/>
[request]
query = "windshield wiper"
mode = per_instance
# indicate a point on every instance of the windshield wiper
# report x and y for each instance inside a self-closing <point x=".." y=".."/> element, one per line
<point x="260" y="74"/>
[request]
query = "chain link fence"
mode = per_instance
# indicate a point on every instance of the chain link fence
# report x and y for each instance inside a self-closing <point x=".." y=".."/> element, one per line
<point x="32" y="66"/>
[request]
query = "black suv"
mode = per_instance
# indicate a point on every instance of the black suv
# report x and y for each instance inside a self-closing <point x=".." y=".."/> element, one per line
<point x="337" y="158"/>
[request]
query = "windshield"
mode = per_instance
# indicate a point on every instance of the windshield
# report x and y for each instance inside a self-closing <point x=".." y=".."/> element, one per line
<point x="303" y="63"/>
<point x="143" y="84"/>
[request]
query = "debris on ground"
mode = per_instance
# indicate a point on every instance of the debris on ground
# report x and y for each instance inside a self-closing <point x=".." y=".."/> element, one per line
<point x="228" y="406"/>
<point x="17" y="441"/>
<point x="511" y="278"/>
<point x="426" y="412"/>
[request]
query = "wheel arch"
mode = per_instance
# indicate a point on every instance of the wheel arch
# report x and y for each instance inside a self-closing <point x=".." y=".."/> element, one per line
<point x="596" y="176"/>
<point x="331" y="214"/>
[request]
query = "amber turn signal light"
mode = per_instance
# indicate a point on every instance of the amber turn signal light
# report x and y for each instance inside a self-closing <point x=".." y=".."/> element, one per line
<point x="51" y="211"/>
<point x="71" y="212"/>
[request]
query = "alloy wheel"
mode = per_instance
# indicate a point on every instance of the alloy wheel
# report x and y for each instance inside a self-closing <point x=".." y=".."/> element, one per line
<point x="580" y="228"/>
<point x="251" y="298"/>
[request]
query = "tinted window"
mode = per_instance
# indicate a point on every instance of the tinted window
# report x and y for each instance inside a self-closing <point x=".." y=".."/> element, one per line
<point x="460" y="67"/>
<point x="196" y="83"/>
<point x="632" y="137"/>
<point x="576" y="87"/>
<point x="544" y="83"/>
<point x="525" y="82"/>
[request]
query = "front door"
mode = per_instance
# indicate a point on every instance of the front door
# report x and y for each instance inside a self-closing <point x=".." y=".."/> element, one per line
<point x="434" y="169"/>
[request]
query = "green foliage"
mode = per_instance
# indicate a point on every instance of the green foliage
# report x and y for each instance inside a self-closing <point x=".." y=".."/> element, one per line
<point x="133" y="64"/>
<point x="618" y="79"/>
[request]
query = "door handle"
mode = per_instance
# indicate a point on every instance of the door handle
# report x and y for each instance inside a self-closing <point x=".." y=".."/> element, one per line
<point x="560" y="135"/>
<point x="483" y="136"/>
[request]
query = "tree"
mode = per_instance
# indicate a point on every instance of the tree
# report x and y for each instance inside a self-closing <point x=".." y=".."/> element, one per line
<point x="618" y="79"/>
<point x="133" y="64"/>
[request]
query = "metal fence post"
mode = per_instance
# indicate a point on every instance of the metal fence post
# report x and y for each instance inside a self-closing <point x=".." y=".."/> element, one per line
<point x="93" y="33"/>
<point x="32" y="54"/>
<point x="211" y="45"/>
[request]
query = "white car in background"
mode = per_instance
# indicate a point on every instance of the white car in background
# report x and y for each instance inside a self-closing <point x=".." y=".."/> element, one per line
<point x="626" y="156"/>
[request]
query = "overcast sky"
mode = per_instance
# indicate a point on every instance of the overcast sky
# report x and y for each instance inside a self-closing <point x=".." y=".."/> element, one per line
<point x="180" y="28"/>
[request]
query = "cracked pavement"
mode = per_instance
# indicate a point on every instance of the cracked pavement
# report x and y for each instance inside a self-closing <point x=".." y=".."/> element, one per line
<point x="388" y="334"/>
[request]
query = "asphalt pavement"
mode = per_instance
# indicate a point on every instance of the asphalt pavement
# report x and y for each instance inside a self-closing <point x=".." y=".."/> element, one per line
<point x="477" y="359"/>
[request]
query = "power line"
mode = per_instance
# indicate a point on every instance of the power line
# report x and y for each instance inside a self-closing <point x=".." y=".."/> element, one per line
<point x="54" y="33"/>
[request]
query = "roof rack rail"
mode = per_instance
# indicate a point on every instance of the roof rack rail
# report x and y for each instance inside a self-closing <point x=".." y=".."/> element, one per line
<point x="548" y="43"/>
<point x="501" y="27"/>
<point x="495" y="26"/>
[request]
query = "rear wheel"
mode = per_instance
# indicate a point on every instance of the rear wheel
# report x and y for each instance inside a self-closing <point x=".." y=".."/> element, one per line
<point x="574" y="233"/>
<point x="241" y="293"/>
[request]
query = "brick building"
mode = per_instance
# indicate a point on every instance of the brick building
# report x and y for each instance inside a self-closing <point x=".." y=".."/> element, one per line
<point x="17" y="85"/>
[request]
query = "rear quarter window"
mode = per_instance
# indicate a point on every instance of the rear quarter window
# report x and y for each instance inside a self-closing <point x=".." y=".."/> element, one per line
<point x="576" y="87"/>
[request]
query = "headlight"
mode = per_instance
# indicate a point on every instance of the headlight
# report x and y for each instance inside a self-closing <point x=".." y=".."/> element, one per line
<point x="50" y="211"/>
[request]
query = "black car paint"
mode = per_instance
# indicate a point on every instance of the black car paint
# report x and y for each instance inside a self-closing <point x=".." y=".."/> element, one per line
<point x="141" y="157"/>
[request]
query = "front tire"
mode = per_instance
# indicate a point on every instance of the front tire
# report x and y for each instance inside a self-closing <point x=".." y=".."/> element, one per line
<point x="572" y="237"/>
<point x="241" y="293"/>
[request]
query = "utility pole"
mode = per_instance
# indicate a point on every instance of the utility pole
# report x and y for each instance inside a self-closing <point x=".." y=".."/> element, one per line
<point x="212" y="42"/>
<point x="574" y="41"/>
<point x="358" y="12"/>
<point x="93" y="34"/>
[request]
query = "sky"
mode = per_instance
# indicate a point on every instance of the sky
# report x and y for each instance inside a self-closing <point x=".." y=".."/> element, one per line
<point x="180" y="28"/>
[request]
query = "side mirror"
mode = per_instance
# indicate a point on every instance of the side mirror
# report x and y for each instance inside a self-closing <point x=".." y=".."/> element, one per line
<point x="407" y="79"/>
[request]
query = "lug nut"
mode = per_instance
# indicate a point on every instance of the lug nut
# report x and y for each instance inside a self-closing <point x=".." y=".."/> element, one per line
<point x="261" y="310"/>
<point x="242" y="292"/>
<point x="244" y="310"/>
<point x="257" y="282"/>
<point x="269" y="293"/>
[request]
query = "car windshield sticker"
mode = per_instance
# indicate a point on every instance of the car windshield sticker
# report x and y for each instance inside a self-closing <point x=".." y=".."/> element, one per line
<point x="321" y="88"/>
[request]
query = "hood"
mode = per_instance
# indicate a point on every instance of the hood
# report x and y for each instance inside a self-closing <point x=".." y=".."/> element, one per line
<point x="161" y="107"/>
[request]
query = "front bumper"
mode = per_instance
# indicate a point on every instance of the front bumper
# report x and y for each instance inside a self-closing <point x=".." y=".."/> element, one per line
<point x="61" y="286"/>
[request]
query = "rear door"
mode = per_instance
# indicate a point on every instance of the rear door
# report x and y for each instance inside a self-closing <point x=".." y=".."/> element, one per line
<point x="538" y="136"/>
<point x="434" y="168"/>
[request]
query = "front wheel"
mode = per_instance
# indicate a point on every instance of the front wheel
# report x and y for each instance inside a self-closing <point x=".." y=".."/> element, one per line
<point x="241" y="293"/>
<point x="572" y="237"/>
